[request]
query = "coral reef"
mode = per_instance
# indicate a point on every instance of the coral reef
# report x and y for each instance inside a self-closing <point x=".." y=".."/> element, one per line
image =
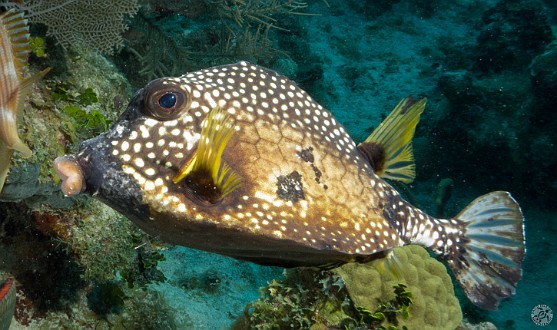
<point x="304" y="299"/>
<point x="63" y="250"/>
<point x="77" y="101"/>
<point x="480" y="326"/>
<point x="69" y="263"/>
<point x="434" y="303"/>
<point x="487" y="67"/>
<point x="512" y="34"/>
<point x="350" y="295"/>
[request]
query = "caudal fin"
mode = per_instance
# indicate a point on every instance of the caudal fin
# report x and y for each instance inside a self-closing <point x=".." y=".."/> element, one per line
<point x="487" y="252"/>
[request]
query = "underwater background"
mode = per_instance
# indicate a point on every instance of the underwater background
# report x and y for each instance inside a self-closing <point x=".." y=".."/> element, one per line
<point x="488" y="69"/>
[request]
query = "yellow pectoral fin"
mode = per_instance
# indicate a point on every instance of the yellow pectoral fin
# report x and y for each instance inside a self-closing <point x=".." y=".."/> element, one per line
<point x="206" y="171"/>
<point x="184" y="170"/>
<point x="389" y="147"/>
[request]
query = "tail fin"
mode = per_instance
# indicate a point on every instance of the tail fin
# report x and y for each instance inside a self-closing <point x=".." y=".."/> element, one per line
<point x="487" y="251"/>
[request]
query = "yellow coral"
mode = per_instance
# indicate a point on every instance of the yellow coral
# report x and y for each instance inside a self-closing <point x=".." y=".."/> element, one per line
<point x="434" y="303"/>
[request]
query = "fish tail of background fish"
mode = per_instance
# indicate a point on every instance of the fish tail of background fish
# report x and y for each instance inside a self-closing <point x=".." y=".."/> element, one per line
<point x="483" y="245"/>
<point x="7" y="303"/>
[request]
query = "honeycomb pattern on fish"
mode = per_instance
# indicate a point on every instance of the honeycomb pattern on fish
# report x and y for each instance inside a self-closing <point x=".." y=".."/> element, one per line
<point x="276" y="123"/>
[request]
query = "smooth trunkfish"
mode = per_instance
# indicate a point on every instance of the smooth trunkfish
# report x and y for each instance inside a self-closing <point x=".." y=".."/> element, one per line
<point x="238" y="160"/>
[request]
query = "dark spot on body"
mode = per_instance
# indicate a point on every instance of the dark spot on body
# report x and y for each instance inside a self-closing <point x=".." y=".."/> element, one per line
<point x="398" y="216"/>
<point x="290" y="187"/>
<point x="307" y="155"/>
<point x="317" y="173"/>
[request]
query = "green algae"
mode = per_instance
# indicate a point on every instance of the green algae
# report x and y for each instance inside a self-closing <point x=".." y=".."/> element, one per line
<point x="37" y="46"/>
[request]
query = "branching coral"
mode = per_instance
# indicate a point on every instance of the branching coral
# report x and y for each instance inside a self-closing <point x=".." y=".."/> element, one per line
<point x="158" y="54"/>
<point x="300" y="301"/>
<point x="248" y="23"/>
<point x="174" y="37"/>
<point x="257" y="11"/>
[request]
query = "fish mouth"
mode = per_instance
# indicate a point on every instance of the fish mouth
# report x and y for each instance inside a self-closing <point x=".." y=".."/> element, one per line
<point x="69" y="171"/>
<point x="93" y="170"/>
<point x="86" y="170"/>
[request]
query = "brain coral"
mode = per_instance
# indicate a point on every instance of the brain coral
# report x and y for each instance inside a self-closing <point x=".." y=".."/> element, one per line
<point x="434" y="303"/>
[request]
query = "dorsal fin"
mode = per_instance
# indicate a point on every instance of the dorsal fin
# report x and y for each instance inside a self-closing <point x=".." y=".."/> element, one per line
<point x="389" y="147"/>
<point x="15" y="25"/>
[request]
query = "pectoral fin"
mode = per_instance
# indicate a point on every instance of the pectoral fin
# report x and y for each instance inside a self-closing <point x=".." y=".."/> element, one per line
<point x="206" y="175"/>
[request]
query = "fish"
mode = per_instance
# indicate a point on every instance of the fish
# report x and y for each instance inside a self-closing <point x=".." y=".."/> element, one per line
<point x="7" y="303"/>
<point x="239" y="160"/>
<point x="14" y="51"/>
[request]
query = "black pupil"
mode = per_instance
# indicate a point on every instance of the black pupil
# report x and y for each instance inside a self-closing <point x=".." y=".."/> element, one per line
<point x="168" y="101"/>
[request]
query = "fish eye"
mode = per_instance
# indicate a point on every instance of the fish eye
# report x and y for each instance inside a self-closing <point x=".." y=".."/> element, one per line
<point x="165" y="100"/>
<point x="168" y="100"/>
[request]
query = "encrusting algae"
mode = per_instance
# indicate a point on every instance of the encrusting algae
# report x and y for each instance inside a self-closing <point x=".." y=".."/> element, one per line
<point x="14" y="50"/>
<point x="289" y="187"/>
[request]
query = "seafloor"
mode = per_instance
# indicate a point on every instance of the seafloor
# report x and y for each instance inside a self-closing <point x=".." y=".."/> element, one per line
<point x="488" y="68"/>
